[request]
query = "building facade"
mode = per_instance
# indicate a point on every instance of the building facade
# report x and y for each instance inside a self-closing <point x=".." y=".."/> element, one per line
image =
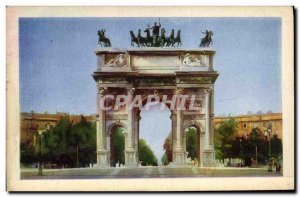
<point x="32" y="122"/>
<point x="262" y="121"/>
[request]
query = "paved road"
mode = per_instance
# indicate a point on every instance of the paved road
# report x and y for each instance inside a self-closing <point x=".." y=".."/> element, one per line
<point x="144" y="172"/>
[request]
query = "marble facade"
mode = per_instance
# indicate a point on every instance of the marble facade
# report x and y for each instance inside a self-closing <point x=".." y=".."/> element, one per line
<point x="156" y="71"/>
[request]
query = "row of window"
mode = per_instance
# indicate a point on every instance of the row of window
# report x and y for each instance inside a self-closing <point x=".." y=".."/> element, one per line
<point x="38" y="125"/>
<point x="265" y="124"/>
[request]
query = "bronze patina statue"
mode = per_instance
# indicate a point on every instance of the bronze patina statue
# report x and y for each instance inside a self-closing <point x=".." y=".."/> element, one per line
<point x="157" y="39"/>
<point x="207" y="40"/>
<point x="103" y="41"/>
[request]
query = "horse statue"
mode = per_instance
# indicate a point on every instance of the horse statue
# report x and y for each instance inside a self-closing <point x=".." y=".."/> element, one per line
<point x="163" y="37"/>
<point x="142" y="41"/>
<point x="178" y="38"/>
<point x="102" y="39"/>
<point x="134" y="39"/>
<point x="149" y="39"/>
<point x="207" y="40"/>
<point x="170" y="40"/>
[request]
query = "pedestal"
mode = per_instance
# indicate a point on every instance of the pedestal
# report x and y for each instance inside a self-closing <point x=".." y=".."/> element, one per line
<point x="130" y="159"/>
<point x="208" y="158"/>
<point x="102" y="159"/>
<point x="179" y="158"/>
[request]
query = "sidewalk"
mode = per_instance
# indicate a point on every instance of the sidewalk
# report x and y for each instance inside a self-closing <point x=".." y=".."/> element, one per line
<point x="145" y="172"/>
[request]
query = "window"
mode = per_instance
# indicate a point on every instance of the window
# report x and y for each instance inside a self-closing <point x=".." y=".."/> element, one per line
<point x="245" y="125"/>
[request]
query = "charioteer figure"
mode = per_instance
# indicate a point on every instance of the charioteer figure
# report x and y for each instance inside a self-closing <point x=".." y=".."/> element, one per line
<point x="155" y="34"/>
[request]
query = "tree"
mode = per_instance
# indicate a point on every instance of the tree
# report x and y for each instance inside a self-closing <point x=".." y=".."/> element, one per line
<point x="57" y="141"/>
<point x="192" y="142"/>
<point x="168" y="147"/>
<point x="28" y="154"/>
<point x="164" y="159"/>
<point x="276" y="147"/>
<point x="117" y="147"/>
<point x="224" y="139"/>
<point x="69" y="144"/>
<point x="146" y="155"/>
<point x="259" y="145"/>
<point x="83" y="140"/>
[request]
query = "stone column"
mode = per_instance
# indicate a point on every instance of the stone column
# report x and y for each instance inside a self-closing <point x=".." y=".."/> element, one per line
<point x="173" y="118"/>
<point x="136" y="136"/>
<point x="208" y="152"/>
<point x="130" y="151"/>
<point x="102" y="153"/>
<point x="179" y="151"/>
<point x="207" y="119"/>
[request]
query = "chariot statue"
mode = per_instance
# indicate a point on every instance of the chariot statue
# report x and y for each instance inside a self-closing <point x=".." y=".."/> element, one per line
<point x="157" y="39"/>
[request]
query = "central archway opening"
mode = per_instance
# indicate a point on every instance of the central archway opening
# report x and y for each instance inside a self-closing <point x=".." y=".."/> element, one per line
<point x="117" y="146"/>
<point x="155" y="128"/>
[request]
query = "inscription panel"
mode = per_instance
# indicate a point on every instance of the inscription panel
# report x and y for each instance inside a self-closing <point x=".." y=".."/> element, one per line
<point x="155" y="62"/>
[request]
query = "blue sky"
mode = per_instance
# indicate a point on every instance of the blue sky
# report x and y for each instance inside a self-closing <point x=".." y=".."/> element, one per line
<point x="57" y="59"/>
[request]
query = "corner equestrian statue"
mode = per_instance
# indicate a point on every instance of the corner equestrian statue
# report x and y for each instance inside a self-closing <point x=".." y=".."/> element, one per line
<point x="207" y="40"/>
<point x="102" y="39"/>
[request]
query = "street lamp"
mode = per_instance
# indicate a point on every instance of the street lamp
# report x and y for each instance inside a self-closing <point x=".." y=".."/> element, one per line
<point x="40" y="148"/>
<point x="240" y="151"/>
<point x="268" y="135"/>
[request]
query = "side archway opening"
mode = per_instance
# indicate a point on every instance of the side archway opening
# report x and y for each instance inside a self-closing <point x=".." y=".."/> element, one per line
<point x="192" y="142"/>
<point x="117" y="146"/>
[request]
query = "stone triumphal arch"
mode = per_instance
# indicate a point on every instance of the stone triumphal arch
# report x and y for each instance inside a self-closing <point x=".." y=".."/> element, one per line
<point x="159" y="72"/>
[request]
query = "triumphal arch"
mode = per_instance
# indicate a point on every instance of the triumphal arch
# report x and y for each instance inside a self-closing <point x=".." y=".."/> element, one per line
<point x="159" y="73"/>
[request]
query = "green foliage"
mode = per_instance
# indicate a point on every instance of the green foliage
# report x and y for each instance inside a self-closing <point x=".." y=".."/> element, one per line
<point x="117" y="147"/>
<point x="247" y="147"/>
<point x="164" y="159"/>
<point x="168" y="149"/>
<point x="224" y="139"/>
<point x="257" y="141"/>
<point x="62" y="144"/>
<point x="276" y="147"/>
<point x="28" y="154"/>
<point x="146" y="155"/>
<point x="192" y="142"/>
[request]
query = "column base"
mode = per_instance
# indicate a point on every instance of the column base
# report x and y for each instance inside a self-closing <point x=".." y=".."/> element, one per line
<point x="130" y="158"/>
<point x="179" y="158"/>
<point x="208" y="157"/>
<point x="102" y="159"/>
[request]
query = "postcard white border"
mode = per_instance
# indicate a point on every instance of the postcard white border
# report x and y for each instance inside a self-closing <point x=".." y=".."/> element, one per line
<point x="175" y="184"/>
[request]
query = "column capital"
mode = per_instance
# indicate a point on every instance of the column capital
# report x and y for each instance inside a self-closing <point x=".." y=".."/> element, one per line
<point x="173" y="116"/>
<point x="178" y="91"/>
<point x="207" y="91"/>
<point x="102" y="91"/>
<point x="130" y="90"/>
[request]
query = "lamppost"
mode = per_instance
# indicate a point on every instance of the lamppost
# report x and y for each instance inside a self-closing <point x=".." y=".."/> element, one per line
<point x="40" y="148"/>
<point x="240" y="151"/>
<point x="268" y="135"/>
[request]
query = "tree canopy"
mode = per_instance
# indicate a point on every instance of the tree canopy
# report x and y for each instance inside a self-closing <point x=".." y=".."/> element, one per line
<point x="67" y="144"/>
<point x="224" y="139"/>
<point x="192" y="142"/>
<point x="146" y="155"/>
<point x="167" y="157"/>
<point x="247" y="147"/>
<point x="117" y="147"/>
